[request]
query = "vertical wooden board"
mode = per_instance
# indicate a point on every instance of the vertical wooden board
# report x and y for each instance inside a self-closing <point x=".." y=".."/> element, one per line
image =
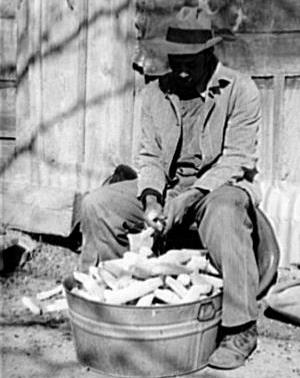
<point x="8" y="48"/>
<point x="290" y="141"/>
<point x="20" y="168"/>
<point x="122" y="110"/>
<point x="32" y="130"/>
<point x="7" y="148"/>
<point x="99" y="86"/>
<point x="270" y="15"/>
<point x="110" y="88"/>
<point x="8" y="112"/>
<point x="265" y="163"/>
<point x="8" y="8"/>
<point x="61" y="140"/>
<point x="24" y="167"/>
<point x="23" y="41"/>
<point x="262" y="54"/>
<point x="278" y="125"/>
<point x="139" y="85"/>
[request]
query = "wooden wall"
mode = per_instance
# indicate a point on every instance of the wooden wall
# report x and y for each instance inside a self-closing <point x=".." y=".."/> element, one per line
<point x="8" y="49"/>
<point x="76" y="102"/>
<point x="75" y="92"/>
<point x="75" y="114"/>
<point x="268" y="48"/>
<point x="73" y="107"/>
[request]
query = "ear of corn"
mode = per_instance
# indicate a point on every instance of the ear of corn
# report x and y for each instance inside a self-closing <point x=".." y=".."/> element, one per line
<point x="141" y="279"/>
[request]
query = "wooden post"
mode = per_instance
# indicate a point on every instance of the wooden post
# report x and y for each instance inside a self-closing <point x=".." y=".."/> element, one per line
<point x="8" y="50"/>
<point x="278" y="124"/>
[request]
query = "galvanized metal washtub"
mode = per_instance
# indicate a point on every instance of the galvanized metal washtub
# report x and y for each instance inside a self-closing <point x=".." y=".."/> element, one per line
<point x="130" y="341"/>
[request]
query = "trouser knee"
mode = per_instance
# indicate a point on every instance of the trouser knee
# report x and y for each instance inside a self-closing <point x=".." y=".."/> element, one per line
<point x="227" y="204"/>
<point x="223" y="220"/>
<point x="95" y="200"/>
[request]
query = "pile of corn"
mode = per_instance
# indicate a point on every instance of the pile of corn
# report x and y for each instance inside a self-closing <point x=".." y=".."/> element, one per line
<point x="142" y="279"/>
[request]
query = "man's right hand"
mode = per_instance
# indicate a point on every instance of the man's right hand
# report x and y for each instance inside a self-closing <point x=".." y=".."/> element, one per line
<point x="154" y="213"/>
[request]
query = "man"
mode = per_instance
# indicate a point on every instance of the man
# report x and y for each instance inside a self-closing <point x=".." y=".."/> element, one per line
<point x="197" y="163"/>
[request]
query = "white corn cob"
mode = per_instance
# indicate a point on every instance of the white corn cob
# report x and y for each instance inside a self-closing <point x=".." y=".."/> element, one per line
<point x="133" y="291"/>
<point x="197" y="291"/>
<point x="33" y="305"/>
<point x="94" y="273"/>
<point x="84" y="294"/>
<point x="199" y="279"/>
<point x="49" y="293"/>
<point x="138" y="265"/>
<point x="175" y="256"/>
<point x="124" y="281"/>
<point x="168" y="268"/>
<point x="37" y="308"/>
<point x="117" y="267"/>
<point x="146" y="300"/>
<point x="185" y="279"/>
<point x="176" y="286"/>
<point x="212" y="270"/>
<point x="197" y="263"/>
<point x="167" y="296"/>
<point x="216" y="282"/>
<point x="145" y="251"/>
<point x="180" y="255"/>
<point x="58" y="305"/>
<point x="144" y="238"/>
<point x="109" y="279"/>
<point x="90" y="285"/>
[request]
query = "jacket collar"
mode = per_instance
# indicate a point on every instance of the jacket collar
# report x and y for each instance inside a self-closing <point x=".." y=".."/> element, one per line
<point x="219" y="80"/>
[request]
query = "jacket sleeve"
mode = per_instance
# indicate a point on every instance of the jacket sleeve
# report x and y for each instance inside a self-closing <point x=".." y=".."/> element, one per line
<point x="151" y="171"/>
<point x="239" y="153"/>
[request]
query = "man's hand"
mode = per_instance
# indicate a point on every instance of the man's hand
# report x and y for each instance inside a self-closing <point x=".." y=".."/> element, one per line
<point x="177" y="207"/>
<point x="154" y="213"/>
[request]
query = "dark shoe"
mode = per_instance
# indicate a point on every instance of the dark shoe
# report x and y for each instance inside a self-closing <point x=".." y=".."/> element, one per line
<point x="234" y="348"/>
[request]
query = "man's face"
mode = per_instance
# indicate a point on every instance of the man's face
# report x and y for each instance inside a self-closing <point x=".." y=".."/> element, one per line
<point x="188" y="70"/>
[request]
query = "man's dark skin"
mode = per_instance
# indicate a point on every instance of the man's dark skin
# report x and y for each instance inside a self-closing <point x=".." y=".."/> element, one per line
<point x="190" y="75"/>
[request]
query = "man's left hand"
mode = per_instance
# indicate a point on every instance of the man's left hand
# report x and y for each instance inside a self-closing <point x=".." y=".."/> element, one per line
<point x="176" y="208"/>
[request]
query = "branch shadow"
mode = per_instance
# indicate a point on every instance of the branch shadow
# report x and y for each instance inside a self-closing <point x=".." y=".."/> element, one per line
<point x="286" y="319"/>
<point x="58" y="48"/>
<point x="43" y="127"/>
<point x="37" y="362"/>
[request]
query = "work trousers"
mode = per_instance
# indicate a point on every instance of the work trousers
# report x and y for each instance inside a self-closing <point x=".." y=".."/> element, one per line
<point x="224" y="226"/>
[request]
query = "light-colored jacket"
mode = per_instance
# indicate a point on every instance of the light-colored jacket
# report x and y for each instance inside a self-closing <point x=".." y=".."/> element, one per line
<point x="228" y="127"/>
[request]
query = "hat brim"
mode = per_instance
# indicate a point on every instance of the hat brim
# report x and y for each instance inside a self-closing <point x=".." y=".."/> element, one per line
<point x="173" y="48"/>
<point x="151" y="55"/>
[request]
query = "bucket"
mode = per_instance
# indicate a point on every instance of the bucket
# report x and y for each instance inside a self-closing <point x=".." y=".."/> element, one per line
<point x="130" y="341"/>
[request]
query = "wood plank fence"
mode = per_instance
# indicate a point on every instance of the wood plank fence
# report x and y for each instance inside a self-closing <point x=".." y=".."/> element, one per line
<point x="69" y="108"/>
<point x="8" y="50"/>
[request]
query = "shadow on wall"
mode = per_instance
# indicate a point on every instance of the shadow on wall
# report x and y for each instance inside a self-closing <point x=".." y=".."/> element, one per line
<point x="29" y="146"/>
<point x="54" y="49"/>
<point x="231" y="15"/>
<point x="58" y="48"/>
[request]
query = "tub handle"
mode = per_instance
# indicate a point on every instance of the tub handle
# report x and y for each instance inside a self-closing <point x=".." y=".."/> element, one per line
<point x="207" y="311"/>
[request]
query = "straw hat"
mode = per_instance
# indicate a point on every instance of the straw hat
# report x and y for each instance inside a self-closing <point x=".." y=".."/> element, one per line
<point x="190" y="32"/>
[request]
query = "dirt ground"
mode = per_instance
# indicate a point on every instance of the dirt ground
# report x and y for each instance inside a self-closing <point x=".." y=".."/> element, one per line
<point x="36" y="346"/>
